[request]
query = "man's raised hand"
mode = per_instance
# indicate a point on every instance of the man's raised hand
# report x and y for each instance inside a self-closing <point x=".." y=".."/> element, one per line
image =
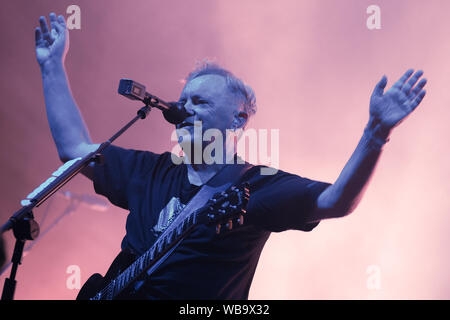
<point x="390" y="108"/>
<point x="51" y="45"/>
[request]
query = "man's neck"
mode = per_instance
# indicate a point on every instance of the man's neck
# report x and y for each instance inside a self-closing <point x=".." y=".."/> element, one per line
<point x="199" y="174"/>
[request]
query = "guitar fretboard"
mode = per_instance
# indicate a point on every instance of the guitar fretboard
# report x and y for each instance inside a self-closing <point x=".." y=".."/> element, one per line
<point x="165" y="241"/>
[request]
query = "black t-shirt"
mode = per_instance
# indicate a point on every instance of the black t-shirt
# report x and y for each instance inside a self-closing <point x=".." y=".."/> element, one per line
<point x="205" y="265"/>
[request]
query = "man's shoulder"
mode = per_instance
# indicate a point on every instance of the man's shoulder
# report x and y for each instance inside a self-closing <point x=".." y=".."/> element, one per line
<point x="138" y="161"/>
<point x="261" y="176"/>
<point x="140" y="154"/>
<point x="264" y="177"/>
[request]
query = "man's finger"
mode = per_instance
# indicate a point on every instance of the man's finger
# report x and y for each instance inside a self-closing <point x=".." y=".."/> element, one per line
<point x="58" y="26"/>
<point x="44" y="29"/>
<point x="418" y="100"/>
<point x="407" y="87"/>
<point x="418" y="88"/>
<point x="61" y="21"/>
<point x="53" y="22"/>
<point x="52" y="16"/>
<point x="379" y="88"/>
<point x="399" y="84"/>
<point x="37" y="35"/>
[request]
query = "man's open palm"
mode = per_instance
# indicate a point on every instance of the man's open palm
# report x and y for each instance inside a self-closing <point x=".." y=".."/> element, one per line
<point x="393" y="106"/>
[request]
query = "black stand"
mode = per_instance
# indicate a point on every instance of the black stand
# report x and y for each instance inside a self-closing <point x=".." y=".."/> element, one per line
<point x="22" y="222"/>
<point x="69" y="210"/>
<point x="25" y="229"/>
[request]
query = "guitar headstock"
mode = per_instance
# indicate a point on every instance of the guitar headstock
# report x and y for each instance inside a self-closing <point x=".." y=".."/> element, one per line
<point x="227" y="206"/>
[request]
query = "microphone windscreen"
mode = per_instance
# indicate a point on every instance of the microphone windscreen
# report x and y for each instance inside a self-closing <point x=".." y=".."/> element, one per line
<point x="176" y="113"/>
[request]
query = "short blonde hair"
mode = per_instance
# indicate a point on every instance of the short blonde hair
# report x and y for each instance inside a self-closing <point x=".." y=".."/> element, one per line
<point x="243" y="92"/>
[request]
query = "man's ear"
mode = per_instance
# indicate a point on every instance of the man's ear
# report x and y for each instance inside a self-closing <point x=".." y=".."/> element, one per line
<point x="240" y="119"/>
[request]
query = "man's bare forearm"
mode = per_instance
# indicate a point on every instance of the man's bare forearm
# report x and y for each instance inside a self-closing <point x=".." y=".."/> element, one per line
<point x="66" y="122"/>
<point x="342" y="197"/>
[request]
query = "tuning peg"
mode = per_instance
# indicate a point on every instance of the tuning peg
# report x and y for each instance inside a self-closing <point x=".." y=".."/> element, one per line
<point x="218" y="228"/>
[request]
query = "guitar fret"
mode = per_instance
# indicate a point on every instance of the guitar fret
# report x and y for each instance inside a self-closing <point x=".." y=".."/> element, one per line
<point x="163" y="243"/>
<point x="141" y="264"/>
<point x="146" y="258"/>
<point x="108" y="293"/>
<point x="120" y="282"/>
<point x="127" y="274"/>
<point x="133" y="270"/>
<point x="101" y="295"/>
<point x="171" y="236"/>
<point x="167" y="240"/>
<point x="113" y="288"/>
<point x="152" y="253"/>
<point x="130" y="274"/>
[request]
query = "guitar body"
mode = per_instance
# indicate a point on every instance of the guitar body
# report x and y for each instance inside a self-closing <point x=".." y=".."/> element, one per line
<point x="96" y="282"/>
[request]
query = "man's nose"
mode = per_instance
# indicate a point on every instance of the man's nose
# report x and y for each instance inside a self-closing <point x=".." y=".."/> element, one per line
<point x="190" y="108"/>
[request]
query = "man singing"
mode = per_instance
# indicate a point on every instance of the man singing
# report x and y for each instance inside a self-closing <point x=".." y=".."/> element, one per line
<point x="154" y="189"/>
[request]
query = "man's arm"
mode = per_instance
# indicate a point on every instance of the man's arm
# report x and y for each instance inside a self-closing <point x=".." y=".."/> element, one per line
<point x="387" y="110"/>
<point x="66" y="122"/>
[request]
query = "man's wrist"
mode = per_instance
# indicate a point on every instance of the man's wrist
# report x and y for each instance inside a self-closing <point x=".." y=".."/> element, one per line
<point x="51" y="66"/>
<point x="376" y="133"/>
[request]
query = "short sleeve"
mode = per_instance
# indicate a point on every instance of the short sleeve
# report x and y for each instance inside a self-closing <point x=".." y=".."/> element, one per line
<point x="113" y="176"/>
<point x="283" y="201"/>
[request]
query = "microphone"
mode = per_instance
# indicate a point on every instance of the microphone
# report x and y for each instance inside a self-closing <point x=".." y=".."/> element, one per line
<point x="173" y="112"/>
<point x="94" y="202"/>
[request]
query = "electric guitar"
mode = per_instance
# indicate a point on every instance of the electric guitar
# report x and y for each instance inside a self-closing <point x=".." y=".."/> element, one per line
<point x="121" y="282"/>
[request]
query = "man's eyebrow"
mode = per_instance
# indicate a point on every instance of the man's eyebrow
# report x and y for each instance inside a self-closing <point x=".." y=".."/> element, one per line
<point x="196" y="96"/>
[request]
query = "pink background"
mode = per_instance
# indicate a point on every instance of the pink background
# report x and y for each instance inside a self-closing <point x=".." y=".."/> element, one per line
<point x="313" y="65"/>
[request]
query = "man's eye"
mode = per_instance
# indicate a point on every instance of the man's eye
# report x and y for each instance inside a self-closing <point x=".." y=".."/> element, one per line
<point x="199" y="101"/>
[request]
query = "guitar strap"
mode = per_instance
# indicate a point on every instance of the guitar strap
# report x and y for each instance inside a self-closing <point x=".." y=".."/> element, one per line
<point x="218" y="183"/>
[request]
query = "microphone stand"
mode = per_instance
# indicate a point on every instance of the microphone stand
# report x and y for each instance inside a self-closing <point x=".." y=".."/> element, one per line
<point x="73" y="205"/>
<point x="22" y="223"/>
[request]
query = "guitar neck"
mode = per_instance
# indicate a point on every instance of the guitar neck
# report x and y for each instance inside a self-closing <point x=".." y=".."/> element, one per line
<point x="170" y="237"/>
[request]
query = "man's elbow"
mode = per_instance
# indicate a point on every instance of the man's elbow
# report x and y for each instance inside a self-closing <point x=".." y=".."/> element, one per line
<point x="326" y="208"/>
<point x="343" y="211"/>
<point x="80" y="150"/>
<point x="338" y="205"/>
